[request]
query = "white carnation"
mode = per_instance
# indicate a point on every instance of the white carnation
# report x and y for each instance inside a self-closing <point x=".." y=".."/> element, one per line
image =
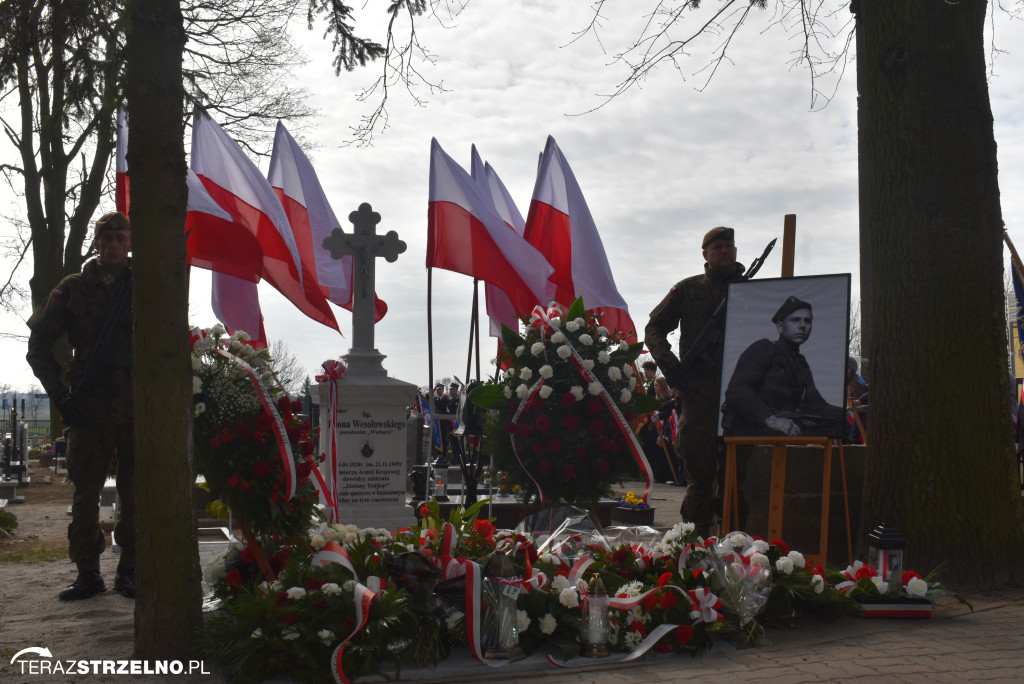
<point x="625" y="396"/>
<point x="819" y="583"/>
<point x="508" y="392"/>
<point x="604" y="357"/>
<point x="627" y="369"/>
<point x="632" y="383"/>
<point x="784" y="565"/>
<point x="525" y="374"/>
<point x="797" y="558"/>
<point x="326" y="636"/>
<point x="558" y="337"/>
<point x="290" y="634"/>
<point x="331" y="589"/>
<point x="295" y="593"/>
<point x="586" y="339"/>
<point x="614" y="373"/>
<point x="349" y="585"/>
<point x="520" y="349"/>
<point x="580" y="323"/>
<point x="537" y="349"/>
<point x="522" y="621"/>
<point x="560" y="583"/>
<point x="256" y="634"/>
<point x="521" y="391"/>
<point x="623" y="346"/>
<point x="759" y="545"/>
<point x="217" y="330"/>
<point x="595" y="388"/>
<point x="545" y="391"/>
<point x="760" y="559"/>
<point x="588" y="364"/>
<point x="547" y="624"/>
<point x="563" y="351"/>
<point x="572" y="326"/>
<point x="317" y="542"/>
<point x="197" y="384"/>
<point x="569" y="598"/>
<point x="577" y="392"/>
<point x="546" y="371"/>
<point x="548" y="557"/>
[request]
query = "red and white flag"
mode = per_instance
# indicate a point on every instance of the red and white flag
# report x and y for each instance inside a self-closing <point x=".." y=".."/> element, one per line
<point x="312" y="219"/>
<point x="499" y="307"/>
<point x="465" y="235"/>
<point x="236" y="184"/>
<point x="559" y="224"/>
<point x="122" y="193"/>
<point x="235" y="300"/>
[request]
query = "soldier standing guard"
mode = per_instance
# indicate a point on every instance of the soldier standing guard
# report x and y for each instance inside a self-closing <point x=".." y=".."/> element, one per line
<point x="94" y="309"/>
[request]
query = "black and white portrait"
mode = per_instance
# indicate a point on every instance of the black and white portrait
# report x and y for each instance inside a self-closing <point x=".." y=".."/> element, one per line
<point x="784" y="357"/>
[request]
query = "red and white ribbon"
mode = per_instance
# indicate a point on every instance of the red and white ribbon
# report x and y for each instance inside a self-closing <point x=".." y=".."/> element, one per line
<point x="285" y="447"/>
<point x="332" y="552"/>
<point x="334" y="371"/>
<point x="515" y="421"/>
<point x="363" y="598"/>
<point x="706" y="605"/>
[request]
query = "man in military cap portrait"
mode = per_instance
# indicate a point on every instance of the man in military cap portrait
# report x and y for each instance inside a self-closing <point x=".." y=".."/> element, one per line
<point x="94" y="396"/>
<point x="689" y="306"/>
<point x="771" y="391"/>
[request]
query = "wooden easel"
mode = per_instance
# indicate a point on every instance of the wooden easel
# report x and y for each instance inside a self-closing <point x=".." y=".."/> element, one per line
<point x="777" y="496"/>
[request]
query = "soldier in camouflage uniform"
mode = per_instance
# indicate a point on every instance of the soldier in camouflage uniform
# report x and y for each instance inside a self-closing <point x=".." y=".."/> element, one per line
<point x="99" y="416"/>
<point x="689" y="305"/>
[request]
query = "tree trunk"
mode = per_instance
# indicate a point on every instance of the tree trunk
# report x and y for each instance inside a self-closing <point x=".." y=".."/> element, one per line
<point x="942" y="466"/>
<point x="168" y="603"/>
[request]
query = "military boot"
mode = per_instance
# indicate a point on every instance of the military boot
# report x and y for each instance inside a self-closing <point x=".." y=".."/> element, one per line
<point x="89" y="583"/>
<point x="124" y="583"/>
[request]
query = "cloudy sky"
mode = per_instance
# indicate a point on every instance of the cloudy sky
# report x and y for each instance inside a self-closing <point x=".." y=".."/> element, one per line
<point x="659" y="165"/>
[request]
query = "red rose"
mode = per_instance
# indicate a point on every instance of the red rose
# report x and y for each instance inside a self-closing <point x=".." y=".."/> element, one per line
<point x="571" y="423"/>
<point x="513" y="405"/>
<point x="637" y="626"/>
<point x="606" y="444"/>
<point x="555" y="445"/>
<point x="568" y="471"/>
<point x="908" y="575"/>
<point x="245" y="486"/>
<point x="595" y="406"/>
<point x="243" y="429"/>
<point x="284" y="404"/>
<point x="232" y="481"/>
<point x="650" y="602"/>
<point x="297" y="406"/>
<point x="668" y="600"/>
<point x="247" y="555"/>
<point x="289" y="619"/>
<point x="622" y="554"/>
<point x="664" y="579"/>
<point x="484" y="528"/>
<point x="260" y="468"/>
<point x="537" y="404"/>
<point x="662" y="647"/>
<point x="263" y="422"/>
<point x="628" y="414"/>
<point x="524" y="430"/>
<point x="234" y="578"/>
<point x="783" y="547"/>
<point x="543" y="423"/>
<point x="214" y="442"/>
<point x="544" y="469"/>
<point x="684" y="633"/>
<point x="537" y="447"/>
<point x="568" y="400"/>
<point x="596" y="428"/>
<point x="865" y="571"/>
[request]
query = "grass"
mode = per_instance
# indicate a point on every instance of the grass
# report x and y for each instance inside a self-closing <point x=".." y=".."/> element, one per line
<point x="46" y="553"/>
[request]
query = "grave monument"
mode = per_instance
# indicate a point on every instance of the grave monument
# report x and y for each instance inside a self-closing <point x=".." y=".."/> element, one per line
<point x="369" y="477"/>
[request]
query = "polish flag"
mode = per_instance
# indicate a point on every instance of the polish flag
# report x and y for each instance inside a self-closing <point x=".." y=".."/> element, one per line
<point x="465" y="235"/>
<point x="499" y="307"/>
<point x="312" y="219"/>
<point x="122" y="193"/>
<point x="235" y="300"/>
<point x="559" y="224"/>
<point x="237" y="185"/>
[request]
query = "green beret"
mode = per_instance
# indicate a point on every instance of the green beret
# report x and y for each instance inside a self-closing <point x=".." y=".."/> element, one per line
<point x="789" y="306"/>
<point x="719" y="233"/>
<point x="112" y="220"/>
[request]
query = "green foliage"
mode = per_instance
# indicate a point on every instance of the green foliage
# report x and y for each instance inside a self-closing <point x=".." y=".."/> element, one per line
<point x="8" y="521"/>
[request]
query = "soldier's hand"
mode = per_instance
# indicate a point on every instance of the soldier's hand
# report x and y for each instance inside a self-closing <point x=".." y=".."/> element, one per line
<point x="70" y="412"/>
<point x="675" y="376"/>
<point x="783" y="425"/>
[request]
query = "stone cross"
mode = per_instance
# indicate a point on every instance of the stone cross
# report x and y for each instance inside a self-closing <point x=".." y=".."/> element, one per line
<point x="365" y="245"/>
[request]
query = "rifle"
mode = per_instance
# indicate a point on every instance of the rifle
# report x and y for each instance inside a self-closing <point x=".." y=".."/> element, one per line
<point x="710" y="337"/>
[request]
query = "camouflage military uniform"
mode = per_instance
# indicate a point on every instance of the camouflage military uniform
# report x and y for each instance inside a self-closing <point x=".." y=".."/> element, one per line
<point x="689" y="305"/>
<point x="78" y="307"/>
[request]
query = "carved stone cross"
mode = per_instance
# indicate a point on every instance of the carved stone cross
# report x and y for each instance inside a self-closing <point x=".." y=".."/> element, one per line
<point x="365" y="246"/>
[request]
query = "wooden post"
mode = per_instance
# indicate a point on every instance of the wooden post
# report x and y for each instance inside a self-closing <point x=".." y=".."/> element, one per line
<point x="788" y="244"/>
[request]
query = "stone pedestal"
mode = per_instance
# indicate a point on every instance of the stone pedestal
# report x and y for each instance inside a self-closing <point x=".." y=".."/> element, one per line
<point x="372" y="437"/>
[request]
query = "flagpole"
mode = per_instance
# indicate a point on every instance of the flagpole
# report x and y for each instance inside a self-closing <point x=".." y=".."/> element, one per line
<point x="476" y="315"/>
<point x="430" y="383"/>
<point x="473" y="322"/>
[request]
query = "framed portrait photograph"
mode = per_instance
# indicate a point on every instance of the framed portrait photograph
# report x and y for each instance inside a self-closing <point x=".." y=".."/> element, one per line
<point x="784" y="357"/>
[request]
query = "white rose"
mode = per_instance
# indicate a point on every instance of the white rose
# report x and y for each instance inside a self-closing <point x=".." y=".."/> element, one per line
<point x="569" y="598"/>
<point x="331" y="589"/>
<point x="563" y="351"/>
<point x="295" y="593"/>
<point x="819" y="583"/>
<point x="537" y="349"/>
<point x="326" y="636"/>
<point x="627" y="369"/>
<point x="577" y="392"/>
<point x="546" y="371"/>
<point x="882" y="586"/>
<point x="508" y="392"/>
<point x="558" y="337"/>
<point x="289" y="634"/>
<point x="580" y="323"/>
<point x="548" y="558"/>
<point x="522" y="621"/>
<point x="595" y="388"/>
<point x="588" y="364"/>
<point x="197" y="384"/>
<point x="317" y="542"/>
<point x="520" y="349"/>
<point x="572" y="326"/>
<point x="521" y="391"/>
<point x="330" y="534"/>
<point x="547" y="624"/>
<point x="525" y="374"/>
<point x="604" y="357"/>
<point x="586" y="339"/>
<point x="614" y="373"/>
<point x="917" y="588"/>
<point x="545" y="391"/>
<point x="784" y="565"/>
<point x="625" y="396"/>
<point x="797" y="558"/>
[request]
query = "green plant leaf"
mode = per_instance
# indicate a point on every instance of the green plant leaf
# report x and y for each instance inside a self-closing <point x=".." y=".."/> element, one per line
<point x="490" y="396"/>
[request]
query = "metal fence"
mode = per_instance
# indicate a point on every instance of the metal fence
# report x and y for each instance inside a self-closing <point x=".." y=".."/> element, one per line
<point x="38" y="430"/>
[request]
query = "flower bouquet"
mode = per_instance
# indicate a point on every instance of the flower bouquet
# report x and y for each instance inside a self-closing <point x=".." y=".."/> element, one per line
<point x="633" y="510"/>
<point x="562" y="409"/>
<point x="913" y="596"/>
<point x="256" y="456"/>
